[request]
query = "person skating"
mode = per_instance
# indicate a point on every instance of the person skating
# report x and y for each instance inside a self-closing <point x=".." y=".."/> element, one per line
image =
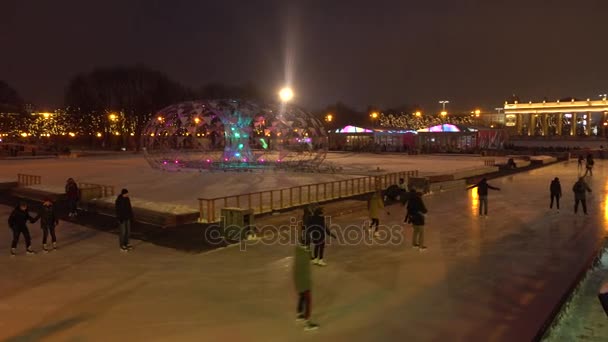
<point x="482" y="192"/>
<point x="17" y="222"/>
<point x="48" y="222"/>
<point x="309" y="211"/>
<point x="318" y="232"/>
<point x="375" y="205"/>
<point x="555" y="190"/>
<point x="302" y="280"/>
<point x="73" y="195"/>
<point x="124" y="214"/>
<point x="589" y="165"/>
<point x="580" y="189"/>
<point x="415" y="215"/>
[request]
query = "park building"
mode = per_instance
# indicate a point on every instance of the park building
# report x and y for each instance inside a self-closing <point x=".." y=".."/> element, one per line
<point x="560" y="118"/>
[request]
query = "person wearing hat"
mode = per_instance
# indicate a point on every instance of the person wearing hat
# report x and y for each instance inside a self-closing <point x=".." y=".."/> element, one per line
<point x="17" y="222"/>
<point x="48" y="222"/>
<point x="124" y="214"/>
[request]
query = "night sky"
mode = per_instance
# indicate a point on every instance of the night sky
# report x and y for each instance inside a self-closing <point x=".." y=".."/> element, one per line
<point x="379" y="52"/>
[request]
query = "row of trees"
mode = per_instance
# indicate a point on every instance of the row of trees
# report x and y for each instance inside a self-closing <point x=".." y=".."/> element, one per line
<point x="127" y="95"/>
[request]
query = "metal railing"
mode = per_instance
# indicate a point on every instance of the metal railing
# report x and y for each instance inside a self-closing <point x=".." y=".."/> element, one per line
<point x="89" y="190"/>
<point x="278" y="199"/>
<point x="489" y="162"/>
<point x="27" y="180"/>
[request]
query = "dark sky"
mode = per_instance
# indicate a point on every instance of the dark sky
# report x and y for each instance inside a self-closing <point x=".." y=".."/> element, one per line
<point x="381" y="52"/>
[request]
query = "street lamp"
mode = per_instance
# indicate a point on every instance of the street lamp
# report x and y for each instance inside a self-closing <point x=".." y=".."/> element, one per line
<point x="443" y="103"/>
<point x="603" y="96"/>
<point x="286" y="94"/>
<point x="477" y="113"/>
<point x="329" y="118"/>
<point x="444" y="113"/>
<point x="374" y="117"/>
<point x="112" y="117"/>
<point x="418" y="114"/>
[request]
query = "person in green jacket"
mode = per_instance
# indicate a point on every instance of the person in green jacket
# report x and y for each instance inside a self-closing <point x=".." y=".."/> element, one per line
<point x="302" y="279"/>
<point x="375" y="205"/>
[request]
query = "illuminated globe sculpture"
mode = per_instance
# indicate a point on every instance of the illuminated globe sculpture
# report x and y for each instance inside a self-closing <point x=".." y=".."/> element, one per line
<point x="234" y="135"/>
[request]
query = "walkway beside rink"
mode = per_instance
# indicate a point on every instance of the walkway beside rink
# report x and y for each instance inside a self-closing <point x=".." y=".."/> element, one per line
<point x="482" y="279"/>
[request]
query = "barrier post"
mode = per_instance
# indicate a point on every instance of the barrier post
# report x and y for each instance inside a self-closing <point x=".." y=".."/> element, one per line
<point x="271" y="200"/>
<point x="261" y="203"/>
<point x="291" y="197"/>
<point x="200" y="210"/>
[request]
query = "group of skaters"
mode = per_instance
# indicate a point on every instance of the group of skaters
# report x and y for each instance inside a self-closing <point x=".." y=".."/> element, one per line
<point x="49" y="220"/>
<point x="314" y="229"/>
<point x="311" y="242"/>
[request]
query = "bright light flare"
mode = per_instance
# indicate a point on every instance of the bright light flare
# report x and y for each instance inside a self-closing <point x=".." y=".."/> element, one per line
<point x="286" y="94"/>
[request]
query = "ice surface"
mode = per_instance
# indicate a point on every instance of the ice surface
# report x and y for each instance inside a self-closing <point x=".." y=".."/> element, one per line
<point x="184" y="188"/>
<point x="491" y="279"/>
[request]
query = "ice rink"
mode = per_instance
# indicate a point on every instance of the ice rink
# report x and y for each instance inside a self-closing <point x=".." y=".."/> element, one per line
<point x="482" y="279"/>
<point x="143" y="182"/>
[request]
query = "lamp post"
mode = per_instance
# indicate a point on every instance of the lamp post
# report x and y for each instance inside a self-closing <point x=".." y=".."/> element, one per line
<point x="443" y="103"/>
<point x="374" y="116"/>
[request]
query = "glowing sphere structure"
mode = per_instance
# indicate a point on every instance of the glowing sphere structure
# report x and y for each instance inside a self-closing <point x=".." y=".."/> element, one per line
<point x="233" y="134"/>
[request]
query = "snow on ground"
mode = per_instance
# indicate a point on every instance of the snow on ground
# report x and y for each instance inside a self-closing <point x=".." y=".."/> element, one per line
<point x="183" y="188"/>
<point x="492" y="279"/>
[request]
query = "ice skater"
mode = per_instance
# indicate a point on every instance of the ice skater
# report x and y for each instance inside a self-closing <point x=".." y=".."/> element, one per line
<point x="17" y="222"/>
<point x="589" y="165"/>
<point x="318" y="232"/>
<point x="124" y="214"/>
<point x="73" y="195"/>
<point x="302" y="280"/>
<point x="416" y="211"/>
<point x="580" y="189"/>
<point x="309" y="211"/>
<point x="555" y="190"/>
<point x="482" y="192"/>
<point x="48" y="222"/>
<point x="375" y="205"/>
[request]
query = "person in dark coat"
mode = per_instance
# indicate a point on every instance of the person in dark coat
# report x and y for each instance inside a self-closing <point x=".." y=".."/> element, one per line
<point x="482" y="192"/>
<point x="589" y="165"/>
<point x="318" y="232"/>
<point x="124" y="214"/>
<point x="73" y="195"/>
<point x="580" y="190"/>
<point x="415" y="215"/>
<point x="17" y="222"/>
<point x="48" y="222"/>
<point x="308" y="213"/>
<point x="555" y="190"/>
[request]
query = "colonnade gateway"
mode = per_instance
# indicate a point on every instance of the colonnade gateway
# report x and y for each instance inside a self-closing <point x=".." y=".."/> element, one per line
<point x="559" y="118"/>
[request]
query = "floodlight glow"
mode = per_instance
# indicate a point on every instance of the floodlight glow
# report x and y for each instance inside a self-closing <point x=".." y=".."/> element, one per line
<point x="286" y="94"/>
